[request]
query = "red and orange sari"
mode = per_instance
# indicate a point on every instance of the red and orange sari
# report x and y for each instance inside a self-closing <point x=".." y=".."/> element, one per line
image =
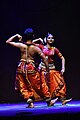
<point x="56" y="84"/>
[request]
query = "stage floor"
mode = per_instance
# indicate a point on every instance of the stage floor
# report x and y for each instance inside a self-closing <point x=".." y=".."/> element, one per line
<point x="69" y="111"/>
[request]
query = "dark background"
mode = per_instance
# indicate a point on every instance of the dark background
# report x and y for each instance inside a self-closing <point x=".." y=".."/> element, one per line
<point x="61" y="18"/>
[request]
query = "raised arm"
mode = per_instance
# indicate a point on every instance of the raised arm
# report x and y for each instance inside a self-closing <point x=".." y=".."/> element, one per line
<point x="16" y="44"/>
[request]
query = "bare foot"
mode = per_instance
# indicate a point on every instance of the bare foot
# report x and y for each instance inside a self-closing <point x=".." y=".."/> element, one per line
<point x="52" y="102"/>
<point x="66" y="101"/>
<point x="31" y="105"/>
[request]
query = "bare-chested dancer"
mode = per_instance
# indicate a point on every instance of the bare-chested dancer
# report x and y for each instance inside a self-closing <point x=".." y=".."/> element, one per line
<point x="27" y="76"/>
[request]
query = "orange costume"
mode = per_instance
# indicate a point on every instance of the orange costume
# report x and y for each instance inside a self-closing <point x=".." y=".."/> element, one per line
<point x="29" y="82"/>
<point x="56" y="84"/>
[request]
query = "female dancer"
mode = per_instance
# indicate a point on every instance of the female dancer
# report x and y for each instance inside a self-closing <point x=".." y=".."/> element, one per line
<point x="56" y="83"/>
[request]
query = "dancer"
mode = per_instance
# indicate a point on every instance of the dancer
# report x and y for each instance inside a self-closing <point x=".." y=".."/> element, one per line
<point x="28" y="80"/>
<point x="57" y="85"/>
